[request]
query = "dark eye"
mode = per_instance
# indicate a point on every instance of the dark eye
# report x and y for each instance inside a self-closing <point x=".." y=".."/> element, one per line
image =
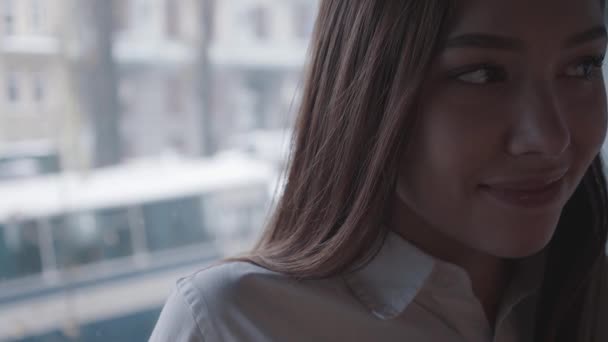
<point x="481" y="74"/>
<point x="585" y="68"/>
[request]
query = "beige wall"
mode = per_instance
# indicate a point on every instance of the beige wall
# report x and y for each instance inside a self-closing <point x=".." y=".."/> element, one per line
<point x="38" y="52"/>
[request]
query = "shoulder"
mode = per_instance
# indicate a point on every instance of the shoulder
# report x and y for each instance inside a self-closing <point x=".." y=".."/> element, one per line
<point x="227" y="275"/>
<point x="240" y="301"/>
<point x="244" y="289"/>
<point x="218" y="301"/>
<point x="222" y="285"/>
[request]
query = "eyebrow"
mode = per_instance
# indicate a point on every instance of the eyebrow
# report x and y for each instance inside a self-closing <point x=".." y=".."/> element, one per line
<point x="489" y="41"/>
<point x="597" y="32"/>
<point x="484" y="41"/>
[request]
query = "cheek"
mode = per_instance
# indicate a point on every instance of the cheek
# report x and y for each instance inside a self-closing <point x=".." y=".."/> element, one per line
<point x="458" y="139"/>
<point x="451" y="147"/>
<point x="587" y="120"/>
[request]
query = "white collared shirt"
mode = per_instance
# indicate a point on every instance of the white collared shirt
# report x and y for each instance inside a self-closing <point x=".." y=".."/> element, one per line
<point x="403" y="294"/>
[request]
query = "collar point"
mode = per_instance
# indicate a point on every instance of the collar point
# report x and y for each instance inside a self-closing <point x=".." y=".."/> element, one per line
<point x="385" y="314"/>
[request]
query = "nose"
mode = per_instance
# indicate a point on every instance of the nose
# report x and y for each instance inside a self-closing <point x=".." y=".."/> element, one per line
<point x="540" y="126"/>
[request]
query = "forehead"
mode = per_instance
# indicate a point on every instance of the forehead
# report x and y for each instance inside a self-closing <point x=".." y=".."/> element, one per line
<point x="526" y="18"/>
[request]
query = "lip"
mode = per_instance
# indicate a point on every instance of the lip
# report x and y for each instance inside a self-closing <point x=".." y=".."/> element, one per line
<point x="529" y="193"/>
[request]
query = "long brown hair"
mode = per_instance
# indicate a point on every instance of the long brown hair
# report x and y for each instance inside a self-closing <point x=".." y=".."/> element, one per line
<point x="367" y="62"/>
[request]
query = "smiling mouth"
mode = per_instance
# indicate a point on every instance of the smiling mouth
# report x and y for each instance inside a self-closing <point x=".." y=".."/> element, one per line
<point x="529" y="193"/>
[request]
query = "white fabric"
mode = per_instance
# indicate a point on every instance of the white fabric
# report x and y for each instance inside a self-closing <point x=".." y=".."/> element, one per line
<point x="403" y="294"/>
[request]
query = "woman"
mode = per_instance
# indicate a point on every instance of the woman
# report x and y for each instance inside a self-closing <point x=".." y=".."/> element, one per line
<point x="445" y="184"/>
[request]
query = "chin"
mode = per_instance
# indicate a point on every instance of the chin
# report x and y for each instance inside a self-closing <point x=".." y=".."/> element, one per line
<point x="517" y="235"/>
<point x="522" y="251"/>
<point x="524" y="244"/>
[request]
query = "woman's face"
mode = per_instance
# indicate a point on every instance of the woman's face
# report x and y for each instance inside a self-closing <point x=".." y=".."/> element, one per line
<point x="511" y="116"/>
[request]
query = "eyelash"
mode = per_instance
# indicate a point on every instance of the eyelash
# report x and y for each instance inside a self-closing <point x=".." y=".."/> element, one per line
<point x="495" y="73"/>
<point x="591" y="63"/>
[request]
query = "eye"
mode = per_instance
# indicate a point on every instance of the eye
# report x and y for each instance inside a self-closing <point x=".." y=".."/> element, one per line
<point x="480" y="74"/>
<point x="585" y="68"/>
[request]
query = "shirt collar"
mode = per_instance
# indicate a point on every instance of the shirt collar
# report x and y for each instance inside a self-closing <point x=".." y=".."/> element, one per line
<point x="391" y="280"/>
<point x="388" y="283"/>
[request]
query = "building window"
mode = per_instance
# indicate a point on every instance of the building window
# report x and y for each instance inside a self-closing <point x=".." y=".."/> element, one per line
<point x="174" y="96"/>
<point x="120" y="15"/>
<point x="39" y="85"/>
<point x="172" y="18"/>
<point x="8" y="17"/>
<point x="174" y="223"/>
<point x="20" y="249"/>
<point x="259" y="20"/>
<point x="12" y="88"/>
<point x="37" y="15"/>
<point x="245" y="103"/>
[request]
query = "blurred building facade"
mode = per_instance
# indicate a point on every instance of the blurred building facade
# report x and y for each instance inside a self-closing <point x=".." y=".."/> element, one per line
<point x="187" y="77"/>
<point x="39" y="121"/>
<point x="157" y="47"/>
<point x="228" y="69"/>
<point x="257" y="49"/>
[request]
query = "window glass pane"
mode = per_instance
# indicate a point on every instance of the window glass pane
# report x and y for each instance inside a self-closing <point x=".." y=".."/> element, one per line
<point x="91" y="237"/>
<point x="37" y="15"/>
<point x="237" y="215"/>
<point x="75" y="240"/>
<point x="173" y="223"/>
<point x="259" y="22"/>
<point x="116" y="240"/>
<point x="8" y="16"/>
<point x="20" y="253"/>
<point x="120" y="14"/>
<point x="38" y="87"/>
<point x="172" y="18"/>
<point x="6" y="259"/>
<point x="12" y="88"/>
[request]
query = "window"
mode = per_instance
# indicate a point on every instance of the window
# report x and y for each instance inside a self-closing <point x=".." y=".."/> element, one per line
<point x="259" y="21"/>
<point x="8" y="17"/>
<point x="17" y="168"/>
<point x="120" y="15"/>
<point x="245" y="102"/>
<point x="172" y="18"/>
<point x="25" y="86"/>
<point x="19" y="241"/>
<point x="91" y="237"/>
<point x="12" y="88"/>
<point x="74" y="239"/>
<point x="37" y="13"/>
<point x="173" y="223"/>
<point x="174" y="96"/>
<point x="235" y="215"/>
<point x="38" y="85"/>
<point x="115" y="234"/>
